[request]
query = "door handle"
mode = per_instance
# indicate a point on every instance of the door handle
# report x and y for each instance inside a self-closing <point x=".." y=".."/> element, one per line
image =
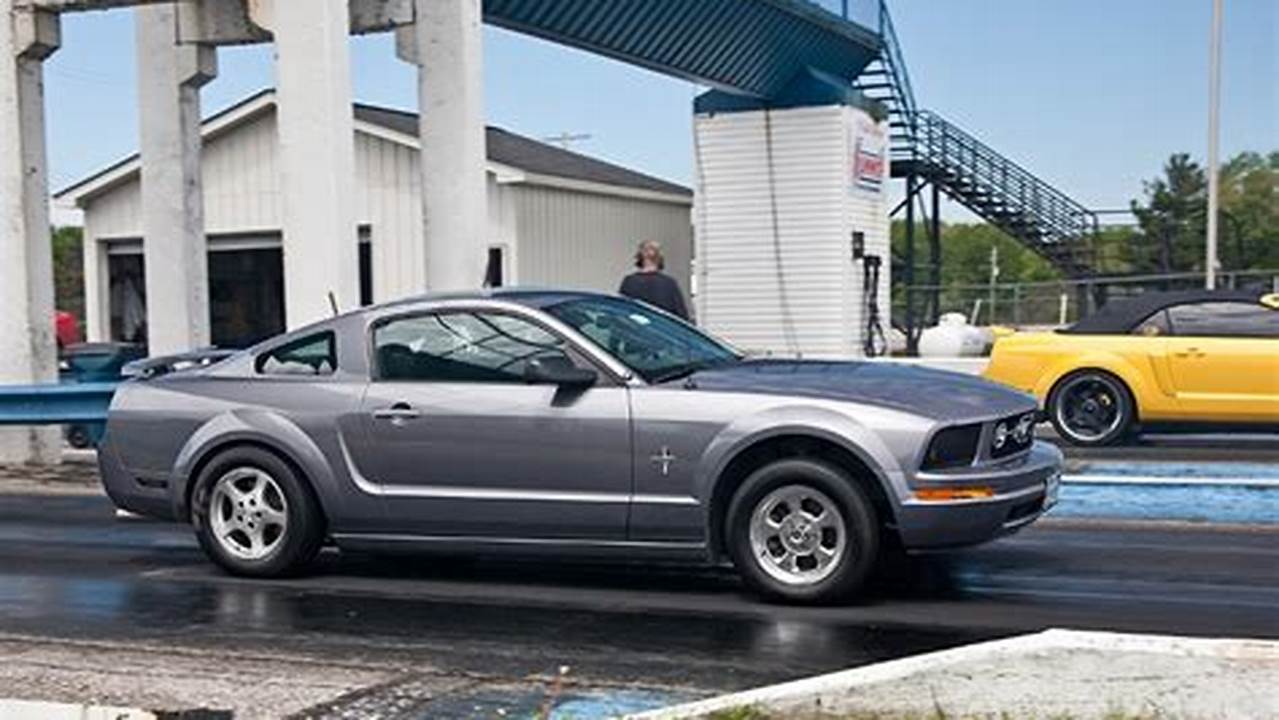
<point x="397" y="413"/>
<point x="1192" y="352"/>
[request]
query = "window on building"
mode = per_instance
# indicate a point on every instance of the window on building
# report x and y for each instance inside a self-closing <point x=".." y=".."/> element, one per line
<point x="246" y="296"/>
<point x="1229" y="319"/>
<point x="494" y="272"/>
<point x="311" y="355"/>
<point x="469" y="346"/>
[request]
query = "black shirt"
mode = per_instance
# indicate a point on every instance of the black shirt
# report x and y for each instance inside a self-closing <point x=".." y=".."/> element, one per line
<point x="656" y="289"/>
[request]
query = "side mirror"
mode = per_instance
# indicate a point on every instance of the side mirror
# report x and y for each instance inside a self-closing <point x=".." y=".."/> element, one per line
<point x="558" y="370"/>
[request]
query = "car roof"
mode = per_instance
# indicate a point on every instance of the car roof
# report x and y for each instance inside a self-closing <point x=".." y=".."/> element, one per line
<point x="531" y="296"/>
<point x="1121" y="316"/>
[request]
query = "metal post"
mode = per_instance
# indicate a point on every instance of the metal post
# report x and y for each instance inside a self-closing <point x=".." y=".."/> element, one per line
<point x="1214" y="170"/>
<point x="934" y="256"/>
<point x="912" y="337"/>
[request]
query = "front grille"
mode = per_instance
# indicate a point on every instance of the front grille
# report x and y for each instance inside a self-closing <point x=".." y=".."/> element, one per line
<point x="1013" y="434"/>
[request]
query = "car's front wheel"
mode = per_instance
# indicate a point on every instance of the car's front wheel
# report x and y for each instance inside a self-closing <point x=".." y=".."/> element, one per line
<point x="1091" y="408"/>
<point x="254" y="516"/>
<point x="802" y="531"/>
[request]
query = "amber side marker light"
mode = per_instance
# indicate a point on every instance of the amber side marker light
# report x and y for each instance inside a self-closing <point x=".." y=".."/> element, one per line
<point x="954" y="493"/>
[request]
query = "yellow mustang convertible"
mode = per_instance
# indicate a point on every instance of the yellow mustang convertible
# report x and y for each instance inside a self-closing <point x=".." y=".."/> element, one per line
<point x="1199" y="358"/>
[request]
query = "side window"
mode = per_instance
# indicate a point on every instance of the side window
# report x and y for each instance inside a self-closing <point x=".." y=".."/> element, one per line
<point x="461" y="346"/>
<point x="1154" y="326"/>
<point x="1227" y="319"/>
<point x="311" y="355"/>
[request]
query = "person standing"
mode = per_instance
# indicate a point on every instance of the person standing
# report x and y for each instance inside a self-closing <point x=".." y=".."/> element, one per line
<point x="649" y="284"/>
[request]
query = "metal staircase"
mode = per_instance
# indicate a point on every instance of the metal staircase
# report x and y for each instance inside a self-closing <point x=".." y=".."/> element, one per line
<point x="994" y="187"/>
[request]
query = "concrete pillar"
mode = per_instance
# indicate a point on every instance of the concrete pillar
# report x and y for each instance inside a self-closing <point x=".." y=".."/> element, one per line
<point x="317" y="155"/>
<point x="448" y="47"/>
<point x="169" y="81"/>
<point x="27" y="346"/>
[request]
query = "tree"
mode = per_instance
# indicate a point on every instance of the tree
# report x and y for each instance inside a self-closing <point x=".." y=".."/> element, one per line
<point x="68" y="271"/>
<point x="1173" y="216"/>
<point x="1172" y="219"/>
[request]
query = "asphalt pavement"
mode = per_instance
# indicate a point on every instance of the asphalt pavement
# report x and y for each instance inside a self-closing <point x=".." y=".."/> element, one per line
<point x="69" y="569"/>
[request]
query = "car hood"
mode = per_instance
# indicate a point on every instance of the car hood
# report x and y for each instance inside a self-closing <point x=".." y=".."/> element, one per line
<point x="937" y="394"/>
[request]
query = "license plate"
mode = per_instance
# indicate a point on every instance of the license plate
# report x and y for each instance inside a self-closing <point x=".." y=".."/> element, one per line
<point x="1053" y="487"/>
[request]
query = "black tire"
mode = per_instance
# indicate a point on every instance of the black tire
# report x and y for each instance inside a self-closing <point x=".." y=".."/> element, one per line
<point x="78" y="437"/>
<point x="860" y="549"/>
<point x="1103" y="432"/>
<point x="296" y="544"/>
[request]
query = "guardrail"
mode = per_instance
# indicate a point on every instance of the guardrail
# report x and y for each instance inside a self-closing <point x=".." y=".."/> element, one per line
<point x="83" y="404"/>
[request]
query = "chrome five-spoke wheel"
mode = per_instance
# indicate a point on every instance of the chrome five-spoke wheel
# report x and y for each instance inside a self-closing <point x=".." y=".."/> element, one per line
<point x="798" y="535"/>
<point x="249" y="515"/>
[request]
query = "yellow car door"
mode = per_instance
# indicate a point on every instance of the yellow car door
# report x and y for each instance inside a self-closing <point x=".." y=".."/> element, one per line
<point x="1223" y="360"/>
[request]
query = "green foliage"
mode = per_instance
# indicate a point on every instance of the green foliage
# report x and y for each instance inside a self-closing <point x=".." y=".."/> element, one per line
<point x="965" y="250"/>
<point x="68" y="271"/>
<point x="1172" y="216"/>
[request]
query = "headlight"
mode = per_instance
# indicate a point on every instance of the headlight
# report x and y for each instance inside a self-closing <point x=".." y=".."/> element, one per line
<point x="952" y="447"/>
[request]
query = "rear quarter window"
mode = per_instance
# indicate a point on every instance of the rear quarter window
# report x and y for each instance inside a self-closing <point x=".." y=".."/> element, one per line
<point x="312" y="355"/>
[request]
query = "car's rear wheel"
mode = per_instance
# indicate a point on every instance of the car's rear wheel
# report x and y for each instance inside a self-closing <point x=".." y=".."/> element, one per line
<point x="1091" y="408"/>
<point x="254" y="516"/>
<point x="802" y="531"/>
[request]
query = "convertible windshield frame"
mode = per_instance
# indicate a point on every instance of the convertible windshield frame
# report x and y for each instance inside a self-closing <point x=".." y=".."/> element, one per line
<point x="626" y="331"/>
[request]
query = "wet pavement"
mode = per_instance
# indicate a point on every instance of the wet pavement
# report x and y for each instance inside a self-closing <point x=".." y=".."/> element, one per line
<point x="501" y="632"/>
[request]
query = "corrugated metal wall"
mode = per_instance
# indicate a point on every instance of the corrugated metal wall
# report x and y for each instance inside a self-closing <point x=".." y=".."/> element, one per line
<point x="584" y="240"/>
<point x="775" y="214"/>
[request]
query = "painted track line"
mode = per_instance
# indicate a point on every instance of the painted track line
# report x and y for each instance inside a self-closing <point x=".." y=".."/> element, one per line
<point x="1164" y="480"/>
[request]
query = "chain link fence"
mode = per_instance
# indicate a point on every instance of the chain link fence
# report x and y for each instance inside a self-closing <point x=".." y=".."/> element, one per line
<point x="1054" y="303"/>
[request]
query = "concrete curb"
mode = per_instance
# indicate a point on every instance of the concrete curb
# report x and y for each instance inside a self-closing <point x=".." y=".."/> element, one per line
<point x="821" y="694"/>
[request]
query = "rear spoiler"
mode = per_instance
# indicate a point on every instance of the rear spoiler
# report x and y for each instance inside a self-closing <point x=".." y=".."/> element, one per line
<point x="155" y="367"/>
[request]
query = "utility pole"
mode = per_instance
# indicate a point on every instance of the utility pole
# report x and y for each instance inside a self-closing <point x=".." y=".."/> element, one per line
<point x="994" y="280"/>
<point x="1214" y="169"/>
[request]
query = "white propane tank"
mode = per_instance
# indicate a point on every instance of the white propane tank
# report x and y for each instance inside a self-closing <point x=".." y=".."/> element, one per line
<point x="954" y="337"/>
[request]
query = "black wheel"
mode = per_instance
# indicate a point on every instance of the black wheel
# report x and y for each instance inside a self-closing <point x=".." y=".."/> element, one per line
<point x="1091" y="408"/>
<point x="802" y="531"/>
<point x="254" y="516"/>
<point x="78" y="437"/>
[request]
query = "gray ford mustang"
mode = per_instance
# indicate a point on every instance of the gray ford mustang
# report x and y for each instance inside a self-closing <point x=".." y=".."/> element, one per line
<point x="569" y="423"/>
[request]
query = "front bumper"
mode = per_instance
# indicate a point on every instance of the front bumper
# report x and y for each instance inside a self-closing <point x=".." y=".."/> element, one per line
<point x="1024" y="489"/>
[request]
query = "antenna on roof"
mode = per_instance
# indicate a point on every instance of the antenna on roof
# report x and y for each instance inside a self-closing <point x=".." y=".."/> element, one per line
<point x="333" y="303"/>
<point x="565" y="139"/>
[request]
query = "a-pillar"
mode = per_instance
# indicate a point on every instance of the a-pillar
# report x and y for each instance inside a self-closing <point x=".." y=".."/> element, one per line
<point x="27" y="345"/>
<point x="317" y="156"/>
<point x="447" y="44"/>
<point x="174" y="245"/>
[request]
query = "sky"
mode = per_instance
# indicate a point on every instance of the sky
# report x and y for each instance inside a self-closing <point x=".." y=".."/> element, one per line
<point x="1091" y="95"/>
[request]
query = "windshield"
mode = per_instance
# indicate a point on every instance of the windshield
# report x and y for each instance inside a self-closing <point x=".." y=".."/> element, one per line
<point x="655" y="345"/>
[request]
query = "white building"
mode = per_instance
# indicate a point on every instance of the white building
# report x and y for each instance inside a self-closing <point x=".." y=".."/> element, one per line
<point x="556" y="218"/>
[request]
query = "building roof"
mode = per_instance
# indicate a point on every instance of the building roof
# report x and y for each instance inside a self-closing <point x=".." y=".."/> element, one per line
<point x="505" y="148"/>
<point x="531" y="155"/>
